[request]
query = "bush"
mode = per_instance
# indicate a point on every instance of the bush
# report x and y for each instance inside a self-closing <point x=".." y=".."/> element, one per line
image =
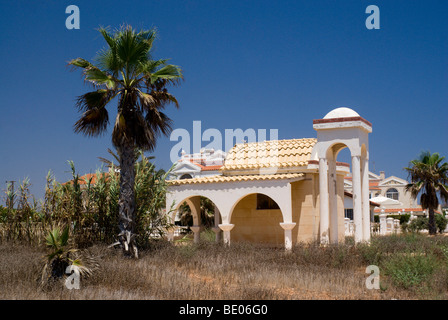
<point x="418" y="224"/>
<point x="410" y="270"/>
<point x="441" y="222"/>
<point x="421" y="223"/>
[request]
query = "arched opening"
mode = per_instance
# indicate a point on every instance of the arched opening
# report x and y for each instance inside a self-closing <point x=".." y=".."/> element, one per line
<point x="344" y="156"/>
<point x="185" y="176"/>
<point x="185" y="214"/>
<point x="196" y="214"/>
<point x="392" y="193"/>
<point x="257" y="218"/>
<point x="340" y="202"/>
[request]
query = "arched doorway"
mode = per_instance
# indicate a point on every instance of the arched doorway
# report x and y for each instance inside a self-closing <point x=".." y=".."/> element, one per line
<point x="257" y="218"/>
<point x="197" y="213"/>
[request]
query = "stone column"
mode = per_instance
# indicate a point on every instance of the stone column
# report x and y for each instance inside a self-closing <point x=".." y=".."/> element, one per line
<point x="333" y="201"/>
<point x="347" y="226"/>
<point x="357" y="198"/>
<point x="216" y="229"/>
<point x="390" y="225"/>
<point x="383" y="224"/>
<point x="323" y="201"/>
<point x="226" y="227"/>
<point x="365" y="200"/>
<point x="397" y="225"/>
<point x="352" y="227"/>
<point x="288" y="226"/>
<point x="197" y="233"/>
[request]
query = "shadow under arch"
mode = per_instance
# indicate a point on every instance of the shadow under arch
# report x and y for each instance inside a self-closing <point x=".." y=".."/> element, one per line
<point x="256" y="218"/>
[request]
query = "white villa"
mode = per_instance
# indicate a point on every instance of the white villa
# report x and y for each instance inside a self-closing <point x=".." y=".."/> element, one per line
<point x="205" y="163"/>
<point x="285" y="191"/>
<point x="391" y="187"/>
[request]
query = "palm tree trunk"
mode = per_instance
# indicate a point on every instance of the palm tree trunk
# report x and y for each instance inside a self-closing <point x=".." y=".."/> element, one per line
<point x="431" y="222"/>
<point x="126" y="202"/>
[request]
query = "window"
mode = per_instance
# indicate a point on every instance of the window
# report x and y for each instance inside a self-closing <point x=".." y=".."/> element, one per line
<point x="392" y="193"/>
<point x="348" y="213"/>
<point x="264" y="202"/>
<point x="185" y="176"/>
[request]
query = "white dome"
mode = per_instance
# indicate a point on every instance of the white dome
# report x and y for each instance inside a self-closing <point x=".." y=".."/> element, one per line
<point x="342" y="112"/>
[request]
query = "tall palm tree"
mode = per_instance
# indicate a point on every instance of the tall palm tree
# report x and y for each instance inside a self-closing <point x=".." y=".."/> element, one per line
<point x="125" y="70"/>
<point x="429" y="179"/>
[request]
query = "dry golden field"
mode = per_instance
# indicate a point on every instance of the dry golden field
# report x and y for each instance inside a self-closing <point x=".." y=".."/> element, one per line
<point x="411" y="267"/>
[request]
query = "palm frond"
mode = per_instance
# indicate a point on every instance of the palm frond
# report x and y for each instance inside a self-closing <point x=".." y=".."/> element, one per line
<point x="93" y="122"/>
<point x="167" y="72"/>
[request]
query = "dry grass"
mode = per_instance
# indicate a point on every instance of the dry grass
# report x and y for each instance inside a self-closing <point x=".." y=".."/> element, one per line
<point x="204" y="272"/>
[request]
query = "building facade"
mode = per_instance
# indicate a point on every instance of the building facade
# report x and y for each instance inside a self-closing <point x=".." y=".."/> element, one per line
<point x="205" y="163"/>
<point x="286" y="191"/>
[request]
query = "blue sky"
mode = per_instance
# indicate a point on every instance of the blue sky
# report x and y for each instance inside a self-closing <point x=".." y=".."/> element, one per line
<point x="247" y="64"/>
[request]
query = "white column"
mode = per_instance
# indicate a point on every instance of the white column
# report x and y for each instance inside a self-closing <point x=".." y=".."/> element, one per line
<point x="383" y="224"/>
<point x="333" y="201"/>
<point x="216" y="229"/>
<point x="197" y="233"/>
<point x="226" y="227"/>
<point x="288" y="233"/>
<point x="397" y="225"/>
<point x="323" y="201"/>
<point x="365" y="200"/>
<point x="390" y="225"/>
<point x="357" y="198"/>
<point x="347" y="226"/>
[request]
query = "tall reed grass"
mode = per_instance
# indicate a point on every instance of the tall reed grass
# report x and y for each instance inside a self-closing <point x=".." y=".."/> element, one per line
<point x="89" y="207"/>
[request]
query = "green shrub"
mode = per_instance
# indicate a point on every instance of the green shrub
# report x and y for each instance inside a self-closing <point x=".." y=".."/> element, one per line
<point x="371" y="253"/>
<point x="418" y="224"/>
<point x="410" y="270"/>
<point x="421" y="223"/>
<point x="441" y="222"/>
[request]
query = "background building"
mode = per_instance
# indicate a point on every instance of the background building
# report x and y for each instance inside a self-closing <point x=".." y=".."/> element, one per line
<point x="205" y="163"/>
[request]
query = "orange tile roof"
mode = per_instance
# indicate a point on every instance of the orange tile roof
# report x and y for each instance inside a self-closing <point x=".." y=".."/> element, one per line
<point x="396" y="210"/>
<point x="220" y="178"/>
<point x="210" y="168"/>
<point x="267" y="154"/>
<point x="205" y="167"/>
<point x="85" y="178"/>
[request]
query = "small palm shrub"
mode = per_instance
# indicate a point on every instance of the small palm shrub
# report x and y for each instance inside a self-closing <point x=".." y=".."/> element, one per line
<point x="62" y="255"/>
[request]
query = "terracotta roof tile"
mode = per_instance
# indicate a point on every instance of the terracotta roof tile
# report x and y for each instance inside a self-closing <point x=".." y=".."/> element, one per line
<point x="85" y="178"/>
<point x="396" y="210"/>
<point x="220" y="178"/>
<point x="273" y="153"/>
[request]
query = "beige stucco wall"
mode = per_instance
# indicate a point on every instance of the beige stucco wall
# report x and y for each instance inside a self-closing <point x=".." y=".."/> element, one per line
<point x="305" y="209"/>
<point x="252" y="225"/>
<point x="263" y="226"/>
<point x="403" y="196"/>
